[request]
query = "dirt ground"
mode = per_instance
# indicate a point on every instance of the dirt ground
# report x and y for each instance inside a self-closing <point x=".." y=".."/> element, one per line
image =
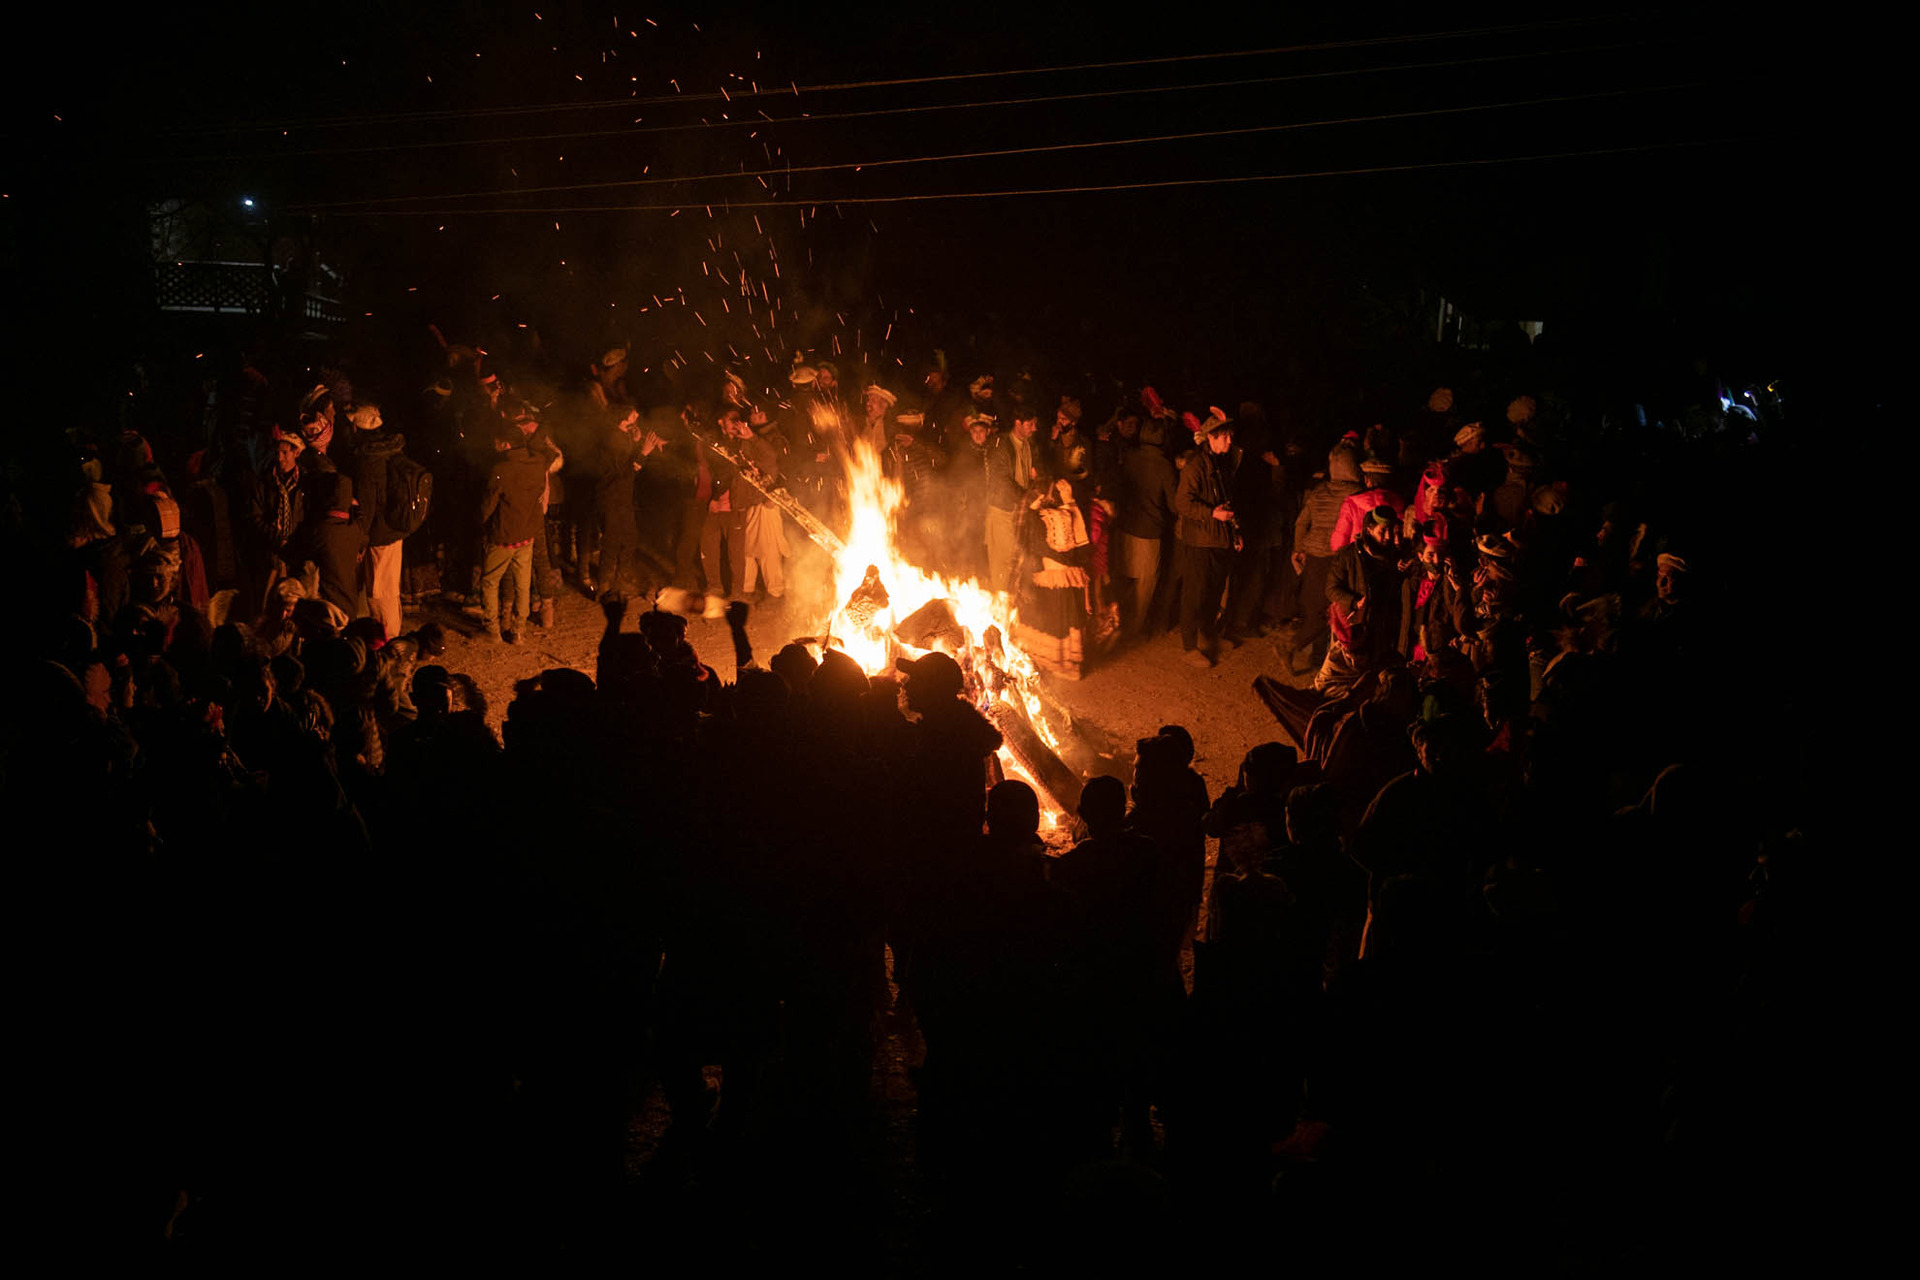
<point x="1125" y="698"/>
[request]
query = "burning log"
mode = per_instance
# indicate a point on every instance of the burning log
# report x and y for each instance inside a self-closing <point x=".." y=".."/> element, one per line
<point x="1058" y="784"/>
<point x="932" y="626"/>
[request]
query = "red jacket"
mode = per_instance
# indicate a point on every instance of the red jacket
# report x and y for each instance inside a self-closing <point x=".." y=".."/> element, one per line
<point x="1353" y="513"/>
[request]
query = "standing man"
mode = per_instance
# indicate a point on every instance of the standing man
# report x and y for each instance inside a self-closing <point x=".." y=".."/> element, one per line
<point x="1434" y="610"/>
<point x="916" y="463"/>
<point x="817" y="429"/>
<point x="723" y="550"/>
<point x="510" y="518"/>
<point x="967" y="490"/>
<point x="1067" y="435"/>
<point x="1259" y="517"/>
<point x="1204" y="504"/>
<point x="335" y="543"/>
<point x="374" y="449"/>
<point x="597" y="413"/>
<point x="1149" y="487"/>
<point x="624" y="453"/>
<point x="1363" y="585"/>
<point x="947" y="406"/>
<point x="1012" y="482"/>
<point x="1313" y="546"/>
<point x="273" y="509"/>
<point x="762" y="535"/>
<point x="877" y="428"/>
<point x="547" y="449"/>
<point x="317" y="413"/>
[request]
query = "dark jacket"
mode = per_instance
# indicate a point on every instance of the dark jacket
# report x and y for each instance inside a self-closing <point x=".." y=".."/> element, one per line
<point x="917" y="465"/>
<point x="944" y="768"/>
<point x="966" y="477"/>
<point x="1003" y="490"/>
<point x="1446" y="614"/>
<point x="1149" y="486"/>
<point x="270" y="523"/>
<point x="1260" y="505"/>
<point x="1128" y="918"/>
<point x="1206" y="482"/>
<point x="946" y="416"/>
<point x="335" y="544"/>
<point x="373" y="453"/>
<point x="510" y="510"/>
<point x="765" y="457"/>
<point x="1358" y="572"/>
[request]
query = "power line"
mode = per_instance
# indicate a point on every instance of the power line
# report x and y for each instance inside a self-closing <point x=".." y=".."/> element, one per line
<point x="1007" y="151"/>
<point x="893" y="111"/>
<point x="1045" y="191"/>
<point x="451" y="113"/>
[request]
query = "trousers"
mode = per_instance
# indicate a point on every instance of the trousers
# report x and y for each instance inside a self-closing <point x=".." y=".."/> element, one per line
<point x="766" y="547"/>
<point x="497" y="561"/>
<point x="1313" y="602"/>
<point x="1203" y="575"/>
<point x="1138" y="561"/>
<point x="383" y="586"/>
<point x="724" y="537"/>
<point x="1248" y="587"/>
<point x="1002" y="546"/>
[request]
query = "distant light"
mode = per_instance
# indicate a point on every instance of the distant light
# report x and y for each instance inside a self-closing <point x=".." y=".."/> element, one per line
<point x="247" y="201"/>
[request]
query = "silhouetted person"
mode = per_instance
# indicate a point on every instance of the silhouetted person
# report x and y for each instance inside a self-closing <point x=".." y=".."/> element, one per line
<point x="1169" y="805"/>
<point x="1130" y="917"/>
<point x="989" y="983"/>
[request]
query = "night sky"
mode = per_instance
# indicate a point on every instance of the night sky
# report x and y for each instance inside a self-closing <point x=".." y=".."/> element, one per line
<point x="1681" y="238"/>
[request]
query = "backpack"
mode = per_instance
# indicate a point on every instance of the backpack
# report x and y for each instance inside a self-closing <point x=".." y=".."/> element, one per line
<point x="409" y="492"/>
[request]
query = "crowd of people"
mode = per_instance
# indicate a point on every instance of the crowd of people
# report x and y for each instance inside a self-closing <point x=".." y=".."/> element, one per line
<point x="1484" y="944"/>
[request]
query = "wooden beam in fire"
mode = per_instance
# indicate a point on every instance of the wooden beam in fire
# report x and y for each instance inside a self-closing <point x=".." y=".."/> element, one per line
<point x="778" y="495"/>
<point x="1059" y="784"/>
<point x="934" y="625"/>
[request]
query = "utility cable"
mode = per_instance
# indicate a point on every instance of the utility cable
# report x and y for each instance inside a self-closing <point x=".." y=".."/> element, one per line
<point x="1046" y="191"/>
<point x="1004" y="151"/>
<point x="452" y="113"/>
<point x="765" y="120"/>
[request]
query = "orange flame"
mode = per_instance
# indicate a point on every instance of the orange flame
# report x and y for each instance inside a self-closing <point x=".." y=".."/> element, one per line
<point x="875" y="502"/>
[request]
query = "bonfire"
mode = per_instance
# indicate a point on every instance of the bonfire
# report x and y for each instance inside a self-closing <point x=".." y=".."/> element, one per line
<point x="888" y="608"/>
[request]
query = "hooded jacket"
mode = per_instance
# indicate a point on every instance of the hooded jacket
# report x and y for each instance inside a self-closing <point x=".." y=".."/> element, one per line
<point x="373" y="453"/>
